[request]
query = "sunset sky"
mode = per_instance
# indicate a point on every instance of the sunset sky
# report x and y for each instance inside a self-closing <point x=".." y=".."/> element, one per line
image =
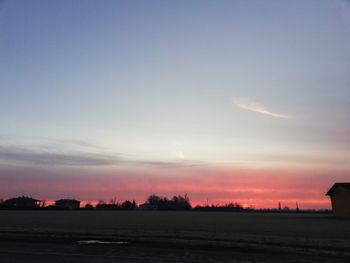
<point x="245" y="101"/>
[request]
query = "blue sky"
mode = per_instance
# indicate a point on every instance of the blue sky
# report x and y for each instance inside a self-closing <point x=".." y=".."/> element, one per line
<point x="253" y="83"/>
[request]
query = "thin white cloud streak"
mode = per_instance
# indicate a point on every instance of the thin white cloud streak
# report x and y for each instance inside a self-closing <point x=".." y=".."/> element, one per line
<point x="248" y="104"/>
<point x="48" y="156"/>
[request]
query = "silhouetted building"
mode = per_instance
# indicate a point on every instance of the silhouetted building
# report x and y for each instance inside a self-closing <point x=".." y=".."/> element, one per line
<point x="22" y="202"/>
<point x="340" y="198"/>
<point x="67" y="204"/>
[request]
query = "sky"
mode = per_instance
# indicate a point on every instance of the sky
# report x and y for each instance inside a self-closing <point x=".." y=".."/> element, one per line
<point x="227" y="101"/>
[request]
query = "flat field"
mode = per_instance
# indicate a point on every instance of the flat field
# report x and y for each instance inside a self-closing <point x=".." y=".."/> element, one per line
<point x="159" y="236"/>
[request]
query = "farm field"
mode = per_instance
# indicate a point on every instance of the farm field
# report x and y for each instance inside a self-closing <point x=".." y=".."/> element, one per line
<point x="151" y="236"/>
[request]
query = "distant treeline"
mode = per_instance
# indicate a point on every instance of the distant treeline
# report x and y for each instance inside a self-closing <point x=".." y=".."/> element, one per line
<point x="153" y="202"/>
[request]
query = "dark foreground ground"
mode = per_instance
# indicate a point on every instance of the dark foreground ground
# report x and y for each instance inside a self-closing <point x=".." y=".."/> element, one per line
<point x="135" y="236"/>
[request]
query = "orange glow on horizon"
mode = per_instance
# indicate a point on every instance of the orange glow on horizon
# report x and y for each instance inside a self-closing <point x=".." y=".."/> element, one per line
<point x="248" y="187"/>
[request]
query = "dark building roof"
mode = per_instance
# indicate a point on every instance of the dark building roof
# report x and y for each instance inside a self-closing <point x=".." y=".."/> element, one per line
<point x="22" y="202"/>
<point x="22" y="199"/>
<point x="67" y="201"/>
<point x="336" y="185"/>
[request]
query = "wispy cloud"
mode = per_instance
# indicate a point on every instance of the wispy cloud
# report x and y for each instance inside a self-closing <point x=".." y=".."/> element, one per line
<point x="46" y="155"/>
<point x="248" y="104"/>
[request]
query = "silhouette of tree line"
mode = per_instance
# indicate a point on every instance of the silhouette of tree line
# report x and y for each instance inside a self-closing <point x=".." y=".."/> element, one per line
<point x="178" y="202"/>
<point x="113" y="205"/>
<point x="222" y="208"/>
<point x="153" y="202"/>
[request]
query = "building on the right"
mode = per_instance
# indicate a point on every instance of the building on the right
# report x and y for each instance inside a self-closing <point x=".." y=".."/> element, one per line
<point x="340" y="198"/>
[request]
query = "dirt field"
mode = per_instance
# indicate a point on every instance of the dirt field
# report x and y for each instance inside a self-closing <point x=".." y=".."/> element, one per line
<point x="145" y="236"/>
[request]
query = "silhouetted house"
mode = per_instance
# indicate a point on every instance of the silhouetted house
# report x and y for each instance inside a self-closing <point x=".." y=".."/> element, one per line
<point x="67" y="204"/>
<point x="340" y="198"/>
<point x="22" y="202"/>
